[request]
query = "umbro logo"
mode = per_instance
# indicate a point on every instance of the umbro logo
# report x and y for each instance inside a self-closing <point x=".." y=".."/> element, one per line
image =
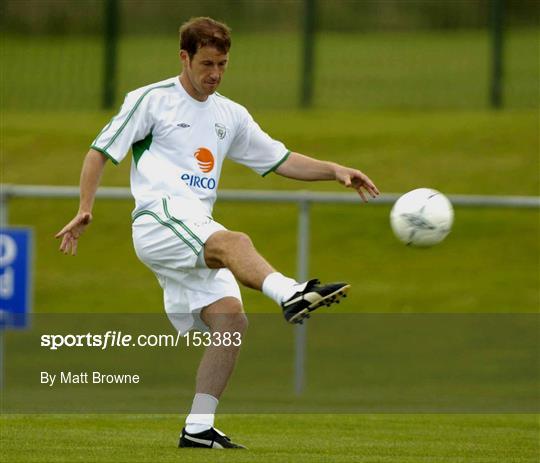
<point x="183" y="125"/>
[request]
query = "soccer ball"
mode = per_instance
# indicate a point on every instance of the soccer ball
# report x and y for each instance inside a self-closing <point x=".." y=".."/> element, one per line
<point x="422" y="217"/>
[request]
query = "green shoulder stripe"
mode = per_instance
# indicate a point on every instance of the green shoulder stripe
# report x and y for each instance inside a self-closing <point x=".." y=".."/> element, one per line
<point x="107" y="126"/>
<point x="281" y="161"/>
<point x="137" y="104"/>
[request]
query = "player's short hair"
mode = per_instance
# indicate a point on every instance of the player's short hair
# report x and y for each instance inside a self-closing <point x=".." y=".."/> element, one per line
<point x="203" y="31"/>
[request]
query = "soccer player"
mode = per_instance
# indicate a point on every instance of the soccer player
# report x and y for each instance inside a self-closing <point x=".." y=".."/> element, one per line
<point x="180" y="131"/>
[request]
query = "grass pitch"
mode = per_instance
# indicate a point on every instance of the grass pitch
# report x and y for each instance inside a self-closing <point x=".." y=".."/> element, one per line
<point x="276" y="438"/>
<point x="488" y="252"/>
<point x="489" y="263"/>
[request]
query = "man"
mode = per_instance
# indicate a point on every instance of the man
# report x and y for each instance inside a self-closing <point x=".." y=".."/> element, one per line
<point x="180" y="131"/>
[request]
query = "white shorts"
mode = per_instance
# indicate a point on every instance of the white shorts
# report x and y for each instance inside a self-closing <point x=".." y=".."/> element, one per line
<point x="172" y="247"/>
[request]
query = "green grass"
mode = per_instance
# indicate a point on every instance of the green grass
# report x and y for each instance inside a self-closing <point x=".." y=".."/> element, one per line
<point x="489" y="263"/>
<point x="276" y="438"/>
<point x="468" y="152"/>
<point x="489" y="250"/>
<point x="353" y="71"/>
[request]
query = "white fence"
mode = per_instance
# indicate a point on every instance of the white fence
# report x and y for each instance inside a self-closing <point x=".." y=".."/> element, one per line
<point x="302" y="198"/>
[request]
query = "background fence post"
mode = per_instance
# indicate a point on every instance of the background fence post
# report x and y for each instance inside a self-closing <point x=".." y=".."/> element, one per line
<point x="497" y="36"/>
<point x="4" y="211"/>
<point x="110" y="45"/>
<point x="4" y="216"/>
<point x="302" y="266"/>
<point x="308" y="50"/>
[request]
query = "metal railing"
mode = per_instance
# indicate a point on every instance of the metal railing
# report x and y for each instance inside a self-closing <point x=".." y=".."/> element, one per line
<point x="303" y="199"/>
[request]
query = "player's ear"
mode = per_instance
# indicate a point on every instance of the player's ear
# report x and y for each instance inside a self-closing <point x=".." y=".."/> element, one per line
<point x="184" y="57"/>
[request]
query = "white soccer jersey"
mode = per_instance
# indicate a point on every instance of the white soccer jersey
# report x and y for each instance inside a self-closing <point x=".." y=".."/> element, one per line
<point x="179" y="145"/>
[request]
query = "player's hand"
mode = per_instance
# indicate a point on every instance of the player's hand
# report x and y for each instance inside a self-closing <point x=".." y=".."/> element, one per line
<point x="352" y="178"/>
<point x="72" y="231"/>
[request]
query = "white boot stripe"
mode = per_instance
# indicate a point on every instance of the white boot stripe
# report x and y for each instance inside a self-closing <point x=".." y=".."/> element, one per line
<point x="199" y="441"/>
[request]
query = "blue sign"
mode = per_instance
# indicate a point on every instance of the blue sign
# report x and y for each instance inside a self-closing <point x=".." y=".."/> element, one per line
<point x="15" y="276"/>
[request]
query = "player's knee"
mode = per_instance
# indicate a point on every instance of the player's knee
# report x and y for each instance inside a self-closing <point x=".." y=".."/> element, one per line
<point x="240" y="239"/>
<point x="222" y="241"/>
<point x="235" y="320"/>
<point x="229" y="316"/>
<point x="221" y="245"/>
<point x="229" y="323"/>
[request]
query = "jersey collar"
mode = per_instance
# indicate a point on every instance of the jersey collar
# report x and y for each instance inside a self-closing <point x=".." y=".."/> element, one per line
<point x="187" y="96"/>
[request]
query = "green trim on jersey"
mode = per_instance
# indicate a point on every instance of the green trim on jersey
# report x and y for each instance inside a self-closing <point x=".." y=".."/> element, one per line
<point x="104" y="129"/>
<point x="179" y="222"/>
<point x="102" y="151"/>
<point x="107" y="126"/>
<point x="119" y="131"/>
<point x="138" y="148"/>
<point x="168" y="225"/>
<point x="281" y="161"/>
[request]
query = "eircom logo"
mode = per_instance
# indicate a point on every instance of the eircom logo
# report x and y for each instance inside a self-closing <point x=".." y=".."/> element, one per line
<point x="199" y="182"/>
<point x="205" y="160"/>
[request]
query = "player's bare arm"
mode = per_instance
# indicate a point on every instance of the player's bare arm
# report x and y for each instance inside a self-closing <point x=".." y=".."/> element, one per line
<point x="301" y="167"/>
<point x="92" y="170"/>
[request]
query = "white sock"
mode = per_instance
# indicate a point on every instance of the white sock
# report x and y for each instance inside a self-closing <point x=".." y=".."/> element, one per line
<point x="202" y="413"/>
<point x="280" y="288"/>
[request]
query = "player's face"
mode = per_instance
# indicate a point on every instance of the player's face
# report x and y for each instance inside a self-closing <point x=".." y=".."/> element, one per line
<point x="204" y="71"/>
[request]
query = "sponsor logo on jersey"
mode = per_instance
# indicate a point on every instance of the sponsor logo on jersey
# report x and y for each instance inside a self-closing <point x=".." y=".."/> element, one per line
<point x="195" y="181"/>
<point x="205" y="159"/>
<point x="221" y="130"/>
<point x="206" y="162"/>
<point x="183" y="125"/>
